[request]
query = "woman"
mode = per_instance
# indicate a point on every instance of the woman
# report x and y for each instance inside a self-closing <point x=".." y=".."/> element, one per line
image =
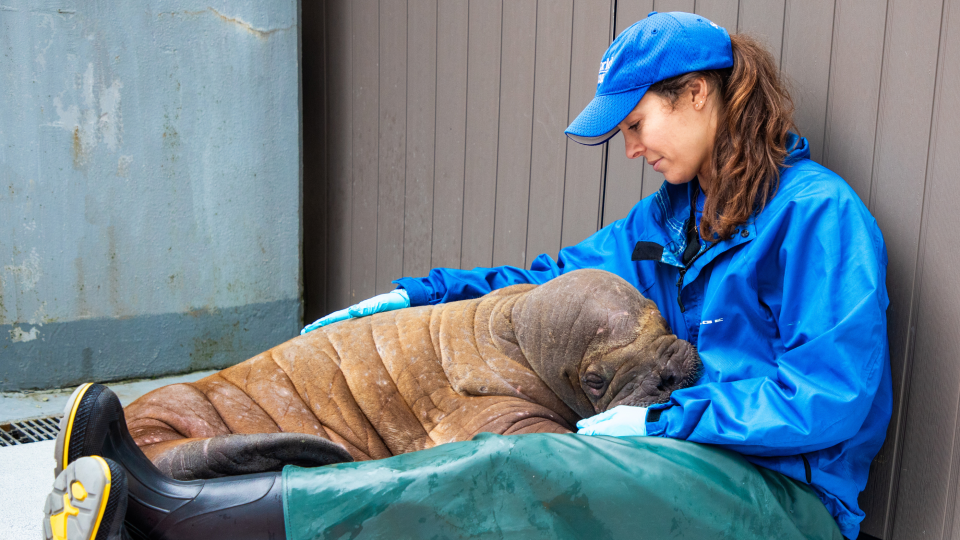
<point x="766" y="260"/>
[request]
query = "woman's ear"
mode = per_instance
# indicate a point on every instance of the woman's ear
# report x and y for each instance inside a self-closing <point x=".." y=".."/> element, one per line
<point x="698" y="91"/>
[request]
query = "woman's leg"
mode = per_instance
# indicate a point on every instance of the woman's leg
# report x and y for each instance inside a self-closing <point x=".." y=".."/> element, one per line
<point x="554" y="486"/>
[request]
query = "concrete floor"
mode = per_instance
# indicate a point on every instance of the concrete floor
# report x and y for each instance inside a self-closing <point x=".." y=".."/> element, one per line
<point x="26" y="471"/>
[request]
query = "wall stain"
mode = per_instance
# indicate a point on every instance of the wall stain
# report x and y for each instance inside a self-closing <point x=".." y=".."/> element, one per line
<point x="86" y="363"/>
<point x="214" y="353"/>
<point x="113" y="271"/>
<point x="262" y="34"/>
<point x="3" y="308"/>
<point x="79" y="157"/>
<point x="83" y="307"/>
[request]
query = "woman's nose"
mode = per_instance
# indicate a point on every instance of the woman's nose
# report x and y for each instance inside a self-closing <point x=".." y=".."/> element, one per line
<point x="633" y="147"/>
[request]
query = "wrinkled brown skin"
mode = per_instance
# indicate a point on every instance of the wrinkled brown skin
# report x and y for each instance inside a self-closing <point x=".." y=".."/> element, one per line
<point x="523" y="359"/>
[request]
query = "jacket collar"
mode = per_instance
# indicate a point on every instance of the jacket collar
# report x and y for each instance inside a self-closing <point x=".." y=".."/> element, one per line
<point x="671" y="209"/>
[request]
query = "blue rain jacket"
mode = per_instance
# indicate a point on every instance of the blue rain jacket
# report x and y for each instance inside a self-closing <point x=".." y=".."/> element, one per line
<point x="789" y="317"/>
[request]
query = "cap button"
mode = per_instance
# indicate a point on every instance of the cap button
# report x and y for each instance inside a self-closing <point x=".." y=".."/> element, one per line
<point x="651" y="14"/>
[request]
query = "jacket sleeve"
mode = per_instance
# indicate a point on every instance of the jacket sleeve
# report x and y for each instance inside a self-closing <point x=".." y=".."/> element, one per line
<point x="823" y="279"/>
<point x="609" y="249"/>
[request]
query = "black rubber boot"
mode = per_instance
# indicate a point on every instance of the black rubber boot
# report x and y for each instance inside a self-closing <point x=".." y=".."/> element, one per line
<point x="158" y="507"/>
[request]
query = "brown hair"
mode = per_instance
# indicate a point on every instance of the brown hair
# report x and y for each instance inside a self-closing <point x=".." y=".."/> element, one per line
<point x="756" y="114"/>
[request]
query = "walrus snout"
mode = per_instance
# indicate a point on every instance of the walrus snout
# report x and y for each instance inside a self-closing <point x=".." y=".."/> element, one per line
<point x="676" y="365"/>
<point x="680" y="368"/>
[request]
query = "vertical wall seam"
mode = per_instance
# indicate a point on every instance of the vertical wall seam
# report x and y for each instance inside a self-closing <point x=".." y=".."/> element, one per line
<point x="783" y="33"/>
<point x="325" y="256"/>
<point x="406" y="129"/>
<point x="826" y="109"/>
<point x="566" y="143"/>
<point x="876" y="131"/>
<point x="950" y="499"/>
<point x="302" y="292"/>
<point x="436" y="77"/>
<point x="910" y="347"/>
<point x="905" y="375"/>
<point x="496" y="166"/>
<point x="738" y="16"/>
<point x="351" y="12"/>
<point x="533" y="112"/>
<point x="605" y="152"/>
<point x="886" y="527"/>
<point x="376" y="254"/>
<point x="325" y="300"/>
<point x="466" y="130"/>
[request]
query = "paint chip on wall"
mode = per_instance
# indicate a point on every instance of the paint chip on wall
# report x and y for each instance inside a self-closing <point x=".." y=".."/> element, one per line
<point x="17" y="335"/>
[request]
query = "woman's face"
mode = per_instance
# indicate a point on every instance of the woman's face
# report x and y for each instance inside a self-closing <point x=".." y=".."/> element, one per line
<point x="676" y="139"/>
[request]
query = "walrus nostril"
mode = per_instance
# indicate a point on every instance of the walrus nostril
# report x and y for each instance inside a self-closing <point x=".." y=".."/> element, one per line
<point x="668" y="381"/>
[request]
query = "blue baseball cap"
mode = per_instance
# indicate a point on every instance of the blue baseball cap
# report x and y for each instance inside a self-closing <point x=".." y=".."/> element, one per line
<point x="662" y="46"/>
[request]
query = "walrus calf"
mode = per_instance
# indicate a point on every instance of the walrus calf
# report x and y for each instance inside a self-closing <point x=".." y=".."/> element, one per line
<point x="524" y="359"/>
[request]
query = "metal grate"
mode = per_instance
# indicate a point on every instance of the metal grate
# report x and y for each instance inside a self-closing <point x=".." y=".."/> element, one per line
<point x="28" y="431"/>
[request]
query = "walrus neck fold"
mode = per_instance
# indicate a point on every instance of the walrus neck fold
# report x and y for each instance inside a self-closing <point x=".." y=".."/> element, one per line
<point x="554" y="332"/>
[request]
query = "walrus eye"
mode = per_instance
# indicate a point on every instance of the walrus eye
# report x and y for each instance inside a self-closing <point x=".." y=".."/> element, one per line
<point x="594" y="381"/>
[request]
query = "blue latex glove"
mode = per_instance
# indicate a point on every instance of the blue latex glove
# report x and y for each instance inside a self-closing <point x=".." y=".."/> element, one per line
<point x="620" y="421"/>
<point x="395" y="299"/>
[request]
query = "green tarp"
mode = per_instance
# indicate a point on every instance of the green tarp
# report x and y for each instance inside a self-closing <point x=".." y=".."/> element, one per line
<point x="553" y="486"/>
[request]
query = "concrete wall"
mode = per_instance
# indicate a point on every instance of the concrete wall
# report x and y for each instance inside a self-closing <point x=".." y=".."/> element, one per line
<point x="150" y="175"/>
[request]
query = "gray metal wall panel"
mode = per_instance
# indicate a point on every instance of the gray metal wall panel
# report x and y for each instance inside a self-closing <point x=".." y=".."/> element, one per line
<point x="451" y="132"/>
<point x="366" y="171"/>
<point x="928" y="483"/>
<point x="592" y="20"/>
<point x="763" y="19"/>
<point x="848" y="150"/>
<point x="928" y="409"/>
<point x="516" y="117"/>
<point x="483" y="113"/>
<point x="906" y="97"/>
<point x="664" y="6"/>
<point x="421" y="136"/>
<point x="550" y="107"/>
<point x="722" y="12"/>
<point x="854" y="93"/>
<point x="807" y="39"/>
<point x="339" y="136"/>
<point x="392" y="125"/>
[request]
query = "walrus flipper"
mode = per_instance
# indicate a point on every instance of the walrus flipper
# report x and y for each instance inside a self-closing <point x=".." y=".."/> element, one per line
<point x="228" y="455"/>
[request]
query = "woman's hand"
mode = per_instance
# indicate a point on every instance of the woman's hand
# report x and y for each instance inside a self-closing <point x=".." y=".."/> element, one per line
<point x="620" y="421"/>
<point x="395" y="299"/>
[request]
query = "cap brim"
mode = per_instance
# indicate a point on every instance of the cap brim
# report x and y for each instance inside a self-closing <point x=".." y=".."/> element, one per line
<point x="598" y="121"/>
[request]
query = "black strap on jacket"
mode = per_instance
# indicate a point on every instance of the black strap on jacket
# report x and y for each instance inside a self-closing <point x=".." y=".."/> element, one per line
<point x="693" y="236"/>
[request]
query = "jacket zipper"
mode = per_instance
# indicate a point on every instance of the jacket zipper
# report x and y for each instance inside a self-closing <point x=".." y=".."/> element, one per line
<point x="683" y="272"/>
<point x="691" y="222"/>
<point x="806" y="467"/>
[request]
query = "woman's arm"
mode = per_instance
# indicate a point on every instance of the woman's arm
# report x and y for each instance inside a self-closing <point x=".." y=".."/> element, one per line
<point x="825" y="286"/>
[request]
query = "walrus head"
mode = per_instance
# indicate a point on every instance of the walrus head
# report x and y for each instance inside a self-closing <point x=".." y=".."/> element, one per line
<point x="598" y="343"/>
